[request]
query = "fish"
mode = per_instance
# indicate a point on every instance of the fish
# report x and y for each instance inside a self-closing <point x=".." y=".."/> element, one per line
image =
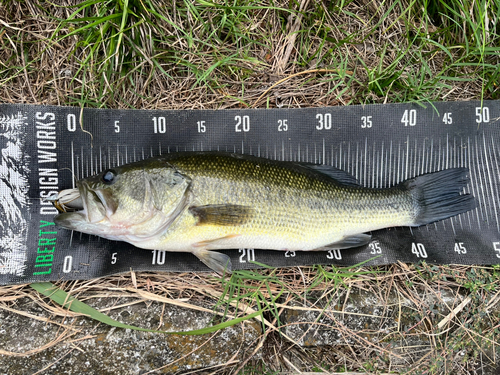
<point x="200" y="202"/>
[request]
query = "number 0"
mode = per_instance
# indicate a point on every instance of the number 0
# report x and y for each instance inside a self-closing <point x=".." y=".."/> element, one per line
<point x="71" y="122"/>
<point x="67" y="264"/>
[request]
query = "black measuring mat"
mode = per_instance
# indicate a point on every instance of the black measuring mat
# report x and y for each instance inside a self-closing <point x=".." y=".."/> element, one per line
<point x="43" y="147"/>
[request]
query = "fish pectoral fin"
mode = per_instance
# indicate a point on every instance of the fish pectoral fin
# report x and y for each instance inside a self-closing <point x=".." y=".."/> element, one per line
<point x="348" y="242"/>
<point x="220" y="263"/>
<point x="222" y="214"/>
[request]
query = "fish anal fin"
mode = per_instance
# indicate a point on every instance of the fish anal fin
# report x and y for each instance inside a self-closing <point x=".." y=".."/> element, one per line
<point x="220" y="263"/>
<point x="222" y="214"/>
<point x="348" y="242"/>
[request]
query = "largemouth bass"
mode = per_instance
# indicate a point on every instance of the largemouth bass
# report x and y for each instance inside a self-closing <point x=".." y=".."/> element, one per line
<point x="202" y="201"/>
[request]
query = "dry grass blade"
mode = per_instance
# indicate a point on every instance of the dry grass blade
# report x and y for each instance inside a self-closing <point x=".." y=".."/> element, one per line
<point x="283" y="80"/>
<point x="66" y="301"/>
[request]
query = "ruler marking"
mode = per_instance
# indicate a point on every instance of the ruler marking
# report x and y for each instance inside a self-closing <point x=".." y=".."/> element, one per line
<point x="497" y="168"/>
<point x="340" y="156"/>
<point x="439" y="155"/>
<point x="447" y="151"/>
<point x="332" y="156"/>
<point x="445" y="166"/>
<point x="407" y="155"/>
<point x="457" y="161"/>
<point x="391" y="172"/>
<point x="452" y="226"/>
<point x="349" y="166"/>
<point x="415" y="161"/>
<point x="382" y="166"/>
<point x="91" y="163"/>
<point x="491" y="198"/>
<point x="437" y="166"/>
<point x="431" y="157"/>
<point x="344" y="159"/>
<point x="399" y="162"/>
<point x="357" y="162"/>
<point x="457" y="218"/>
<point x="424" y="157"/>
<point x="474" y="184"/>
<point x="454" y="152"/>
<point x="324" y="152"/>
<point x="72" y="166"/>
<point x="83" y="167"/>
<point x="71" y="239"/>
<point x="479" y="157"/>
<point x="100" y="158"/>
<point x="373" y="168"/>
<point x="364" y="165"/>
<point x="463" y="163"/>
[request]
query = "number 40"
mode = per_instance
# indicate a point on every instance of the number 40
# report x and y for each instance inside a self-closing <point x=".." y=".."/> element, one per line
<point x="409" y="117"/>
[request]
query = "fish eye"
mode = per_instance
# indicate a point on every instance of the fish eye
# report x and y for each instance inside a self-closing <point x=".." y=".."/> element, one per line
<point x="109" y="177"/>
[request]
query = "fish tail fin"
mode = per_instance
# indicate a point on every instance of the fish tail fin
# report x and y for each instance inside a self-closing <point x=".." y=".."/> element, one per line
<point x="437" y="195"/>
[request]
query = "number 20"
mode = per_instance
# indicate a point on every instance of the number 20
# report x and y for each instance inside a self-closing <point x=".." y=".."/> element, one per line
<point x="247" y="255"/>
<point x="242" y="122"/>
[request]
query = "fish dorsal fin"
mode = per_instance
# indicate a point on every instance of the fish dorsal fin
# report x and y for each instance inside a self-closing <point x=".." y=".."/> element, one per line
<point x="338" y="175"/>
<point x="222" y="214"/>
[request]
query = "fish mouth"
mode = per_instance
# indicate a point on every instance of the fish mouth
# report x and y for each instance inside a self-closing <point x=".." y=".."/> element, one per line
<point x="83" y="205"/>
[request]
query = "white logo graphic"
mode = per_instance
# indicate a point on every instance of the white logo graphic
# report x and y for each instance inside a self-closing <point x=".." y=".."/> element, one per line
<point x="14" y="171"/>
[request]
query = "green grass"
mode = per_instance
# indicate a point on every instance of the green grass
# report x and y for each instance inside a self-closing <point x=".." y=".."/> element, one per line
<point x="404" y="51"/>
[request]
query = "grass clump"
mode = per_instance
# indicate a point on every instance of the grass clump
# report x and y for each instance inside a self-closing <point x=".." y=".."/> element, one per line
<point x="180" y="54"/>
